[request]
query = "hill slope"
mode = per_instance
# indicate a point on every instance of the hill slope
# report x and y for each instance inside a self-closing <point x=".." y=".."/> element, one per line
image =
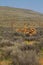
<point x="26" y="46"/>
<point x="18" y="17"/>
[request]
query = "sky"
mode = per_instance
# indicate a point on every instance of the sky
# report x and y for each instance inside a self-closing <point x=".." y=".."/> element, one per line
<point x="35" y="5"/>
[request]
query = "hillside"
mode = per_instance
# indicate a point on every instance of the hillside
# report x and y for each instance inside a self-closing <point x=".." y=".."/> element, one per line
<point x="18" y="17"/>
<point x="21" y="37"/>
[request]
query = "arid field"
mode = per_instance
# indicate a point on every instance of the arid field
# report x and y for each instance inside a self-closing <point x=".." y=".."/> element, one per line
<point x="21" y="37"/>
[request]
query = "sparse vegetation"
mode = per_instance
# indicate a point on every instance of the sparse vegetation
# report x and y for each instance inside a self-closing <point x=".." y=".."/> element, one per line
<point x="19" y="44"/>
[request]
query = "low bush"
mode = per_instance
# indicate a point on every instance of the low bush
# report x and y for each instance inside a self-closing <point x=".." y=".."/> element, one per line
<point x="24" y="58"/>
<point x="4" y="43"/>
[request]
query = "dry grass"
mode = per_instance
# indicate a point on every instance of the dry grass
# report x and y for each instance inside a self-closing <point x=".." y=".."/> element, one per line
<point x="17" y="48"/>
<point x="5" y="62"/>
<point x="18" y="17"/>
<point x="41" y="60"/>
